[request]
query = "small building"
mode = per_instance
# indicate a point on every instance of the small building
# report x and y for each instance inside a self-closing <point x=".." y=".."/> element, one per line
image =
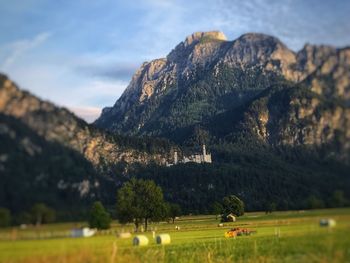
<point x="124" y="235"/>
<point x="230" y="218"/>
<point x="83" y="232"/>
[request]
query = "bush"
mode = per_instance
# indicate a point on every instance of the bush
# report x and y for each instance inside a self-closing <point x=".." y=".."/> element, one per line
<point x="42" y="214"/>
<point x="24" y="218"/>
<point x="338" y="199"/>
<point x="216" y="209"/>
<point x="270" y="207"/>
<point x="174" y="210"/>
<point x="5" y="217"/>
<point x="99" y="217"/>
<point x="314" y="202"/>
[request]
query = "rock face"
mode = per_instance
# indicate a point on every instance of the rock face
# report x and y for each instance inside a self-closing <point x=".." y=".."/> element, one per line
<point x="297" y="116"/>
<point x="59" y="125"/>
<point x="207" y="75"/>
<point x="199" y="36"/>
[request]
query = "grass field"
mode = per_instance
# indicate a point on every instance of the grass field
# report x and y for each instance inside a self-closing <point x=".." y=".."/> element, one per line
<point x="293" y="236"/>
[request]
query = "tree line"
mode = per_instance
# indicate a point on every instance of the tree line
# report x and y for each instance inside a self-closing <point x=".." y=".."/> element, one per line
<point x="141" y="201"/>
<point x="39" y="214"/>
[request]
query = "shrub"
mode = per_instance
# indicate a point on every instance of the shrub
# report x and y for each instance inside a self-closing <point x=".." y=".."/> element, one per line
<point x="99" y="217"/>
<point x="5" y="217"/>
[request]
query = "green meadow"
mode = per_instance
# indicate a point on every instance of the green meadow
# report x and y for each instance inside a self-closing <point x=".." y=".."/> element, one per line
<point x="293" y="236"/>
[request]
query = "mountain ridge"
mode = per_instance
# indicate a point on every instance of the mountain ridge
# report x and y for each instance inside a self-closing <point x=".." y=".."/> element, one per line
<point x="60" y="125"/>
<point x="204" y="77"/>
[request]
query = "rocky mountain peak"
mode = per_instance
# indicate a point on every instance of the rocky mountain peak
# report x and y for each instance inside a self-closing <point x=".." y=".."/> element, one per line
<point x="196" y="47"/>
<point x="256" y="48"/>
<point x="259" y="38"/>
<point x="311" y="56"/>
<point x="198" y="36"/>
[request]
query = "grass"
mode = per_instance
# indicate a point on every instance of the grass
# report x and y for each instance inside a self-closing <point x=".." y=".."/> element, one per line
<point x="281" y="237"/>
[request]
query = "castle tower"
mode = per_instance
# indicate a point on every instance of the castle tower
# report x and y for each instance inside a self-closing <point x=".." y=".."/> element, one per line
<point x="204" y="151"/>
<point x="206" y="157"/>
<point x="175" y="157"/>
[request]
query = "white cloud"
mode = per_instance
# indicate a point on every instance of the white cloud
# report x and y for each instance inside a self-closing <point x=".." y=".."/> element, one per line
<point x="103" y="88"/>
<point x="54" y="76"/>
<point x="99" y="93"/>
<point x="64" y="87"/>
<point x="20" y="47"/>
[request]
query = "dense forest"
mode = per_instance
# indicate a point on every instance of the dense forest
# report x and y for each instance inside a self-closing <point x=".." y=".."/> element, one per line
<point x="290" y="178"/>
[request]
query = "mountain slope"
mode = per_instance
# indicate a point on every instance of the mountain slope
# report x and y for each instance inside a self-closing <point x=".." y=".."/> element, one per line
<point x="206" y="77"/>
<point x="33" y="170"/>
<point x="49" y="155"/>
<point x="61" y="126"/>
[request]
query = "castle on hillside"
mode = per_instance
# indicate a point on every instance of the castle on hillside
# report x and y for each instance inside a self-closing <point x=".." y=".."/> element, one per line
<point x="194" y="158"/>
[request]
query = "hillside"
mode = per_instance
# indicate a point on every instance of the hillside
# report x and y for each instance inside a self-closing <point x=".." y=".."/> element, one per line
<point x="60" y="125"/>
<point x="34" y="170"/>
<point x="49" y="155"/>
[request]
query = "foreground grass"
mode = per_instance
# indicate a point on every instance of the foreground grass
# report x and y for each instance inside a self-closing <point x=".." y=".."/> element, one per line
<point x="281" y="237"/>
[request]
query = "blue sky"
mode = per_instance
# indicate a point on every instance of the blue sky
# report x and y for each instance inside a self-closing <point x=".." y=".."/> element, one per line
<point x="81" y="54"/>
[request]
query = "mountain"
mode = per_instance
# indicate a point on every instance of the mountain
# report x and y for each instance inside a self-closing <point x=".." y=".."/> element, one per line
<point x="49" y="155"/>
<point x="210" y="89"/>
<point x="60" y="125"/>
<point x="276" y="122"/>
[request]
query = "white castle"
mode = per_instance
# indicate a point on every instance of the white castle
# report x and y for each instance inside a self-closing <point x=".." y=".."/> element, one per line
<point x="194" y="158"/>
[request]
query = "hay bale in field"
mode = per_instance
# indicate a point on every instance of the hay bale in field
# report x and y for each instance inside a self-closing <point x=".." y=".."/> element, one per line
<point x="327" y="222"/>
<point x="220" y="225"/>
<point x="163" y="239"/>
<point x="140" y="240"/>
<point x="124" y="235"/>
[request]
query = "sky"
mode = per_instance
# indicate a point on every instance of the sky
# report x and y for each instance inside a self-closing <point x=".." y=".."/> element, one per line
<point x="82" y="54"/>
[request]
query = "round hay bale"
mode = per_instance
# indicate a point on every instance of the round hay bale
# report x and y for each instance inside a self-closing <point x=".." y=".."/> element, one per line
<point x="140" y="240"/>
<point x="163" y="239"/>
<point x="124" y="235"/>
<point x="327" y="222"/>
